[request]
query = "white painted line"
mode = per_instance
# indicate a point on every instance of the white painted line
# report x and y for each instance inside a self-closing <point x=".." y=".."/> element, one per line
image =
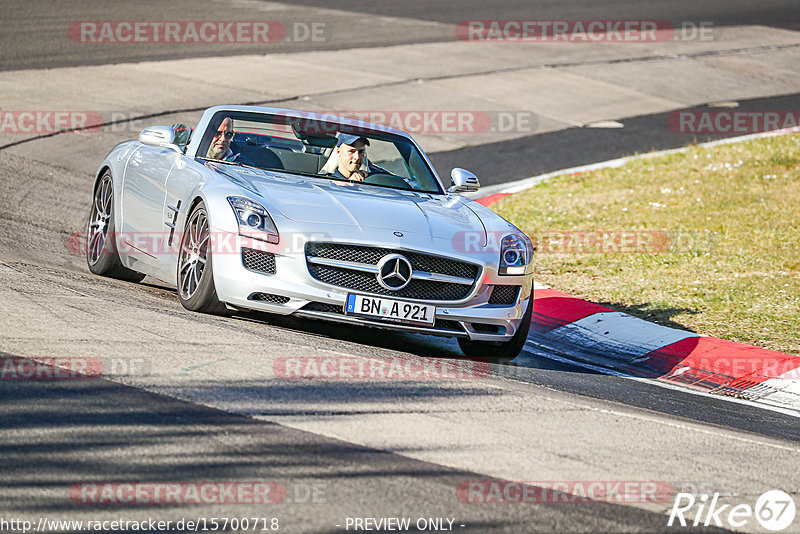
<point x="605" y="124"/>
<point x="612" y="331"/>
<point x="793" y="375"/>
<point x="788" y="386"/>
<point x="788" y="393"/>
<point x="527" y="183"/>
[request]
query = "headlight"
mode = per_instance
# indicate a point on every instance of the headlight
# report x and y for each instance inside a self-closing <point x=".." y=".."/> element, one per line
<point x="254" y="221"/>
<point x="515" y="255"/>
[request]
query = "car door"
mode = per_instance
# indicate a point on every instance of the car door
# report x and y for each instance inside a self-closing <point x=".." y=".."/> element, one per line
<point x="182" y="182"/>
<point x="142" y="233"/>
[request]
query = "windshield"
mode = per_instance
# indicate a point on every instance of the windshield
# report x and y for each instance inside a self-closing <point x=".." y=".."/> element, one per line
<point x="311" y="147"/>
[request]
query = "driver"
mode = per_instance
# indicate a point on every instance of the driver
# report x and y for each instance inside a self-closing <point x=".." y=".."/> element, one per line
<point x="351" y="159"/>
<point x="351" y="163"/>
<point x="351" y="151"/>
<point x="220" y="147"/>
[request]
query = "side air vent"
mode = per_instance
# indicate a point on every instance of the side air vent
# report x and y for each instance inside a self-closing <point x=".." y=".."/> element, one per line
<point x="268" y="297"/>
<point x="504" y="295"/>
<point x="483" y="328"/>
<point x="258" y="261"/>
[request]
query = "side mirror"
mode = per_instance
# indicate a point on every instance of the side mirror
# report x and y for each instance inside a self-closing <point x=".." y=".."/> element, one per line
<point x="463" y="181"/>
<point x="161" y="136"/>
<point x="183" y="133"/>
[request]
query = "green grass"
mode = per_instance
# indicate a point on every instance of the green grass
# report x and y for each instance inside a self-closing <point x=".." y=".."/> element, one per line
<point x="721" y="227"/>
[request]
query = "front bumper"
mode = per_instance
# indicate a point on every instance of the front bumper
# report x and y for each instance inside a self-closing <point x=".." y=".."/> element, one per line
<point x="291" y="290"/>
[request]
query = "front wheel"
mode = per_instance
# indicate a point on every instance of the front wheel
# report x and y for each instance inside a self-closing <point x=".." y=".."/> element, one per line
<point x="196" y="289"/>
<point x="501" y="349"/>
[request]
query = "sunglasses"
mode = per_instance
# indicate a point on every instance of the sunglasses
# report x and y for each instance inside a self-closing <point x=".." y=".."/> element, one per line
<point x="228" y="135"/>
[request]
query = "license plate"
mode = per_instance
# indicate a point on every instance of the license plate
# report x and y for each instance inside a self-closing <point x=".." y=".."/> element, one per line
<point x="390" y="310"/>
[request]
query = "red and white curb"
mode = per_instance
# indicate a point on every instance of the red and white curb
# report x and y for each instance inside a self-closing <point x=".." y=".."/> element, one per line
<point x="578" y="332"/>
<point x="571" y="330"/>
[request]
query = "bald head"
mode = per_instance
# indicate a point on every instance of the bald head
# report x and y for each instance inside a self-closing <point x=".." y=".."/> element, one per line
<point x="222" y="140"/>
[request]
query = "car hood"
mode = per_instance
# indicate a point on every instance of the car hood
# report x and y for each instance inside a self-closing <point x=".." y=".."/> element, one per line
<point x="321" y="201"/>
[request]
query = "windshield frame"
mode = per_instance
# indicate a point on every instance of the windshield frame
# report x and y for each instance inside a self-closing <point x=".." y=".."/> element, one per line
<point x="329" y="125"/>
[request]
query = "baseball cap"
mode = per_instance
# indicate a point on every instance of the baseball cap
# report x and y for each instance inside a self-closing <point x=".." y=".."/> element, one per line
<point x="349" y="139"/>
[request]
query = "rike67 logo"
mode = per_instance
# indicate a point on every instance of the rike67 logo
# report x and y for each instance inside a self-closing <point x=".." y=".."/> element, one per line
<point x="774" y="510"/>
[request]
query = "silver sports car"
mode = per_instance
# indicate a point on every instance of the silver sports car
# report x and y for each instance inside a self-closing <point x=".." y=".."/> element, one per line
<point x="291" y="212"/>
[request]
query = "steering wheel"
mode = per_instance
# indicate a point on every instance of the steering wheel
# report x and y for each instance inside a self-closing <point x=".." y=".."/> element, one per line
<point x="383" y="178"/>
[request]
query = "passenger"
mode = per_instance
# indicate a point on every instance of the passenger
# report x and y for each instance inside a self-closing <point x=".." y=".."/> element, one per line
<point x="220" y="147"/>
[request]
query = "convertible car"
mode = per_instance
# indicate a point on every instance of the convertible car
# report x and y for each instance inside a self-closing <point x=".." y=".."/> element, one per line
<point x="316" y="216"/>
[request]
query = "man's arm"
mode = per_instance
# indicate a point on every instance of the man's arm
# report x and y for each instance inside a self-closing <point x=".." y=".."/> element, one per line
<point x="239" y="158"/>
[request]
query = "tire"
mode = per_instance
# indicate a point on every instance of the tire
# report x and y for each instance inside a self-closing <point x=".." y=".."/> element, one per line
<point x="501" y="349"/>
<point x="196" y="289"/>
<point x="101" y="246"/>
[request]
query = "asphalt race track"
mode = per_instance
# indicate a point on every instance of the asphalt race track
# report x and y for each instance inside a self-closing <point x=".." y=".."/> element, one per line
<point x="192" y="400"/>
<point x="29" y="39"/>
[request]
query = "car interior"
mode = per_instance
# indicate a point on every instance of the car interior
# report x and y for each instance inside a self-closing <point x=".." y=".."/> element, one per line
<point x="276" y="153"/>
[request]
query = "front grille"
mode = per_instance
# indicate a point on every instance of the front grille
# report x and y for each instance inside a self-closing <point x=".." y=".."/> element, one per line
<point x="258" y="260"/>
<point x="504" y="295"/>
<point x="268" y="297"/>
<point x="367" y="282"/>
<point x="439" y="324"/>
<point x="372" y="255"/>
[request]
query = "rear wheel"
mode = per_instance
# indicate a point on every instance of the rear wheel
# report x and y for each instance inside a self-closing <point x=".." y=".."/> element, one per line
<point x="196" y="289"/>
<point x="101" y="245"/>
<point x="501" y="349"/>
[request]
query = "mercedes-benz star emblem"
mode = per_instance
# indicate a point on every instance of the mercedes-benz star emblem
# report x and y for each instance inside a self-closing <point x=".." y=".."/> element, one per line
<point x="394" y="272"/>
